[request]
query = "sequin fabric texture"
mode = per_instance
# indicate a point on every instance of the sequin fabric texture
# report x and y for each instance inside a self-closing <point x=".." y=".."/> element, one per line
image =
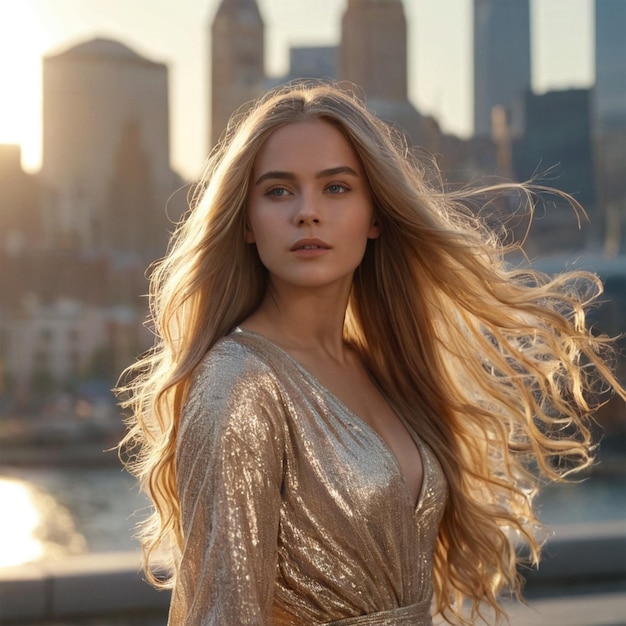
<point x="294" y="510"/>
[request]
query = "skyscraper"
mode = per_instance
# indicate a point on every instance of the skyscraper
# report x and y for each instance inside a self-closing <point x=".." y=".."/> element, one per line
<point x="237" y="60"/>
<point x="610" y="88"/>
<point x="373" y="52"/>
<point x="609" y="121"/>
<point x="100" y="100"/>
<point x="21" y="221"/>
<point x="557" y="147"/>
<point x="373" y="56"/>
<point x="502" y="71"/>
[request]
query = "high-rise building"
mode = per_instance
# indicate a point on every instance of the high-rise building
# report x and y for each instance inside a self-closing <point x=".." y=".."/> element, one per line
<point x="237" y="61"/>
<point x="102" y="100"/>
<point x="610" y="66"/>
<point x="609" y="99"/>
<point x="373" y="56"/>
<point x="21" y="221"/>
<point x="502" y="70"/>
<point x="373" y="52"/>
<point x="557" y="148"/>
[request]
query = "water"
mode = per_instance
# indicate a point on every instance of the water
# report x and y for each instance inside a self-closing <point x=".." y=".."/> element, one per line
<point x="53" y="512"/>
<point x="600" y="498"/>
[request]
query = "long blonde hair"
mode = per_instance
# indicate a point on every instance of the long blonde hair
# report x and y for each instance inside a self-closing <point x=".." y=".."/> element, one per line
<point x="493" y="366"/>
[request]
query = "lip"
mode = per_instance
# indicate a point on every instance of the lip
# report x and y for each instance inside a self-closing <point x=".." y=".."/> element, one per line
<point x="309" y="245"/>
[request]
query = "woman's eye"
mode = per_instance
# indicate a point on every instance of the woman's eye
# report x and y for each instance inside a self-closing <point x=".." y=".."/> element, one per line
<point x="336" y="188"/>
<point x="277" y="192"/>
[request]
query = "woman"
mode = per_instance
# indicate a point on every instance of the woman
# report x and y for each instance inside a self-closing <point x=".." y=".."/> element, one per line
<point x="352" y="397"/>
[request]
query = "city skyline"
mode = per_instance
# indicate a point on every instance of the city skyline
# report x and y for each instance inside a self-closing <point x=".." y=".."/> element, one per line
<point x="440" y="38"/>
<point x="76" y="238"/>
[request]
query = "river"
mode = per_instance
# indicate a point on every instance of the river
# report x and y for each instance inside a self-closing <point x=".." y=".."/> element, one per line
<point x="50" y="512"/>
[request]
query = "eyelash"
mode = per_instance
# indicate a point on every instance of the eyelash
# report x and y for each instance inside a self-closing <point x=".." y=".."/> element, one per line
<point x="272" y="192"/>
<point x="279" y="192"/>
<point x="340" y="186"/>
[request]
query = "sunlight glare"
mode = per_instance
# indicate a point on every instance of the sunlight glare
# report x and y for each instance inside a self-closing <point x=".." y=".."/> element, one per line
<point x="34" y="526"/>
<point x="23" y="40"/>
<point x="18" y="525"/>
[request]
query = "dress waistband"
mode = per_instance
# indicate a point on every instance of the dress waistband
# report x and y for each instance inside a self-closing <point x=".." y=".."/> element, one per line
<point x="413" y="615"/>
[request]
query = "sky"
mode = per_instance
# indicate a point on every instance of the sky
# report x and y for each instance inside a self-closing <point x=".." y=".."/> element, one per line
<point x="176" y="32"/>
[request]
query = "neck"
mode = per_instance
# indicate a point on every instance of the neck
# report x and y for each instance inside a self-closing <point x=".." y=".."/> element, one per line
<point x="303" y="319"/>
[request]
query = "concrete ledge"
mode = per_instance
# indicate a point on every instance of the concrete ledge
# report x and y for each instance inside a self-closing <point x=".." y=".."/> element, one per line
<point x="602" y="609"/>
<point x="585" y="610"/>
<point x="85" y="585"/>
<point x="24" y="593"/>
<point x="105" y="584"/>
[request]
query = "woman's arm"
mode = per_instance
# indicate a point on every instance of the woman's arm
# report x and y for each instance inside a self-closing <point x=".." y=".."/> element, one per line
<point x="229" y="474"/>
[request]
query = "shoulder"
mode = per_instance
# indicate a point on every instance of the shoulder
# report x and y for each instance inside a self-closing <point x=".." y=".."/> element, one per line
<point x="232" y="380"/>
<point x="233" y="419"/>
<point x="232" y="363"/>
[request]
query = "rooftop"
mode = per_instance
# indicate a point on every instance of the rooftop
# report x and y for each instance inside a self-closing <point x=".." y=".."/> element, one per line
<point x="101" y="48"/>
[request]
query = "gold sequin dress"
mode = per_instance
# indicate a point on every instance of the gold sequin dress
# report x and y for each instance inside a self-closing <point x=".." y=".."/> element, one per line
<point x="294" y="510"/>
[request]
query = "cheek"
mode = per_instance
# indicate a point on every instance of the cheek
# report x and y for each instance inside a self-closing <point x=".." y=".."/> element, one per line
<point x="261" y="233"/>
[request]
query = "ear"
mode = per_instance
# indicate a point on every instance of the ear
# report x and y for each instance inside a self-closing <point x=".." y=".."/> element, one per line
<point x="374" y="231"/>
<point x="250" y="238"/>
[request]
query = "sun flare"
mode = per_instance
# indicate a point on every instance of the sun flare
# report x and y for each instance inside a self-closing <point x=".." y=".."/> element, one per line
<point x="34" y="526"/>
<point x="19" y="526"/>
<point x="23" y="40"/>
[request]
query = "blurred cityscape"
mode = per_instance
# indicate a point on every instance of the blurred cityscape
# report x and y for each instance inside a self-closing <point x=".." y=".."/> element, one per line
<point x="77" y="237"/>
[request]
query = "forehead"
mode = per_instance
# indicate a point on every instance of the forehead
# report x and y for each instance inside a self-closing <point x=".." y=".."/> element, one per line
<point x="312" y="145"/>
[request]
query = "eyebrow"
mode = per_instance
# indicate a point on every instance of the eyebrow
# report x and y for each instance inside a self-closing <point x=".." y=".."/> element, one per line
<point x="332" y="171"/>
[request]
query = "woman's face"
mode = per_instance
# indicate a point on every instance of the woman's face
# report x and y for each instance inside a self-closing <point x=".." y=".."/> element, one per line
<point x="309" y="206"/>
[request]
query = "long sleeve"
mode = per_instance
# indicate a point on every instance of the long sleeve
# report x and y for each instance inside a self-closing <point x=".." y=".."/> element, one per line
<point x="229" y="475"/>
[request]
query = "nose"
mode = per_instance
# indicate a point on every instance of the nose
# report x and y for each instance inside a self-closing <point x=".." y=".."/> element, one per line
<point x="306" y="211"/>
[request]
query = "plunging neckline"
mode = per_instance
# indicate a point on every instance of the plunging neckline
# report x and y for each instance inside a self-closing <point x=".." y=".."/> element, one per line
<point x="365" y="426"/>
